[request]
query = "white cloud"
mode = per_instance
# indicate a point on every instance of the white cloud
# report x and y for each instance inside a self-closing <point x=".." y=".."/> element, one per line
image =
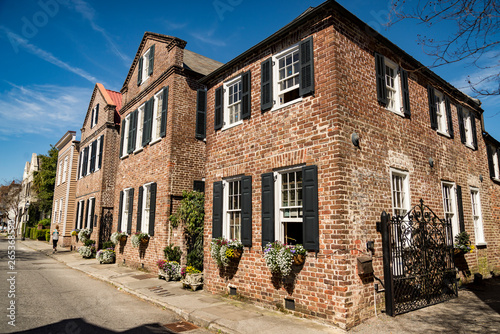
<point x="42" y="109"/>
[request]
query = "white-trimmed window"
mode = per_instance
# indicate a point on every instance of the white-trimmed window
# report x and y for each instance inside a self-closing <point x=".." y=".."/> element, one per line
<point x="232" y="102"/>
<point x="392" y="83"/>
<point x="477" y="216"/>
<point x="59" y="172"/>
<point x="65" y="170"/>
<point x="125" y="207"/>
<point x="286" y="71"/>
<point x="400" y="192"/>
<point x="79" y="218"/>
<point x="56" y="213"/>
<point x="60" y="210"/>
<point x="442" y="121"/>
<point x="98" y="154"/>
<point x="89" y="160"/>
<point x="145" y="66"/>
<point x="140" y="128"/>
<point x="450" y="206"/>
<point x="80" y="171"/>
<point x="496" y="165"/>
<point x="469" y="141"/>
<point x="90" y="217"/>
<point x="290" y="207"/>
<point x="232" y="209"/>
<point x="125" y="136"/>
<point x="94" y="116"/>
<point x="146" y="207"/>
<point x="156" y="127"/>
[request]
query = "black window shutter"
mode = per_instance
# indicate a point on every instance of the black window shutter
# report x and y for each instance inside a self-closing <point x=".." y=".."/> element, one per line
<point x="267" y="209"/>
<point x="405" y="93"/>
<point x="132" y="132"/>
<point x="460" y="209"/>
<point x="432" y="107"/>
<point x="448" y="115"/>
<point x="151" y="59"/>
<point x="139" y="209"/>
<point x="147" y="124"/>
<point x="77" y="214"/>
<point x="246" y="99"/>
<point x="266" y="84"/>
<point x="217" y="210"/>
<point x="152" y="209"/>
<point x="85" y="160"/>
<point x="93" y="156"/>
<point x="199" y="186"/>
<point x="219" y="106"/>
<point x="92" y="211"/>
<point x="306" y="61"/>
<point x="101" y="145"/>
<point x="246" y="211"/>
<point x="164" y="109"/>
<point x="473" y="127"/>
<point x="490" y="151"/>
<point x="82" y="222"/>
<point x="380" y="76"/>
<point x="461" y="125"/>
<point x="96" y="113"/>
<point x="310" y="225"/>
<point x="92" y="118"/>
<point x="130" y="209"/>
<point x="201" y="114"/>
<point x="86" y="214"/>
<point x="79" y="165"/>
<point x="120" y="208"/>
<point x="122" y="134"/>
<point x="139" y="72"/>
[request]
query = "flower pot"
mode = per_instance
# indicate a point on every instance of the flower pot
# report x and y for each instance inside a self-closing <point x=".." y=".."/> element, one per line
<point x="163" y="274"/>
<point x="194" y="281"/>
<point x="144" y="241"/>
<point x="299" y="259"/>
<point x="237" y="253"/>
<point x="123" y="238"/>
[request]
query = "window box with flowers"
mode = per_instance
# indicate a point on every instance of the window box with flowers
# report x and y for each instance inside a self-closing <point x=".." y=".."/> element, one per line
<point x="106" y="256"/>
<point x="224" y="251"/>
<point x="169" y="270"/>
<point x="280" y="257"/>
<point x="139" y="239"/>
<point x="191" y="277"/>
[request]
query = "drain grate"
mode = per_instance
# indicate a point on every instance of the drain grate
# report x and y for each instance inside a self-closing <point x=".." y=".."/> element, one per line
<point x="145" y="276"/>
<point x="181" y="326"/>
<point x="160" y="291"/>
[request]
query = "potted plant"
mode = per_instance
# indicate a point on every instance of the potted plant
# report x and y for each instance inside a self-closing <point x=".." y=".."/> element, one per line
<point x="191" y="277"/>
<point x="299" y="255"/>
<point x="280" y="257"/>
<point x="139" y="238"/>
<point x="84" y="234"/>
<point x="106" y="255"/>
<point x="223" y="251"/>
<point x="118" y="237"/>
<point x="462" y="243"/>
<point x="88" y="250"/>
<point x="169" y="270"/>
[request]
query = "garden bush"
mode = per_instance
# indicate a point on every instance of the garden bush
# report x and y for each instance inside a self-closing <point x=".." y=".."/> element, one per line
<point x="47" y="235"/>
<point x="173" y="253"/>
<point x="108" y="244"/>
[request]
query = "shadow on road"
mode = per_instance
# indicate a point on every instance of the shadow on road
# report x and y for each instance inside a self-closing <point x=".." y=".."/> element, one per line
<point x="80" y="326"/>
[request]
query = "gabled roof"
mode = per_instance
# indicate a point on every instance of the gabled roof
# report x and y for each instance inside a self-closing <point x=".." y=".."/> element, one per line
<point x="199" y="63"/>
<point x="68" y="136"/>
<point x="116" y="97"/>
<point x="112" y="98"/>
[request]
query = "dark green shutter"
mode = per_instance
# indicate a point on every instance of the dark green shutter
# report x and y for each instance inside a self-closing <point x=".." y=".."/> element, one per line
<point x="460" y="209"/>
<point x="77" y="213"/>
<point x="101" y="145"/>
<point x="246" y="99"/>
<point x="266" y="84"/>
<point x="122" y="134"/>
<point x="151" y="59"/>
<point x="380" y="76"/>
<point x="152" y="209"/>
<point x="120" y="208"/>
<point x="201" y="114"/>
<point x="92" y="211"/>
<point x="405" y="93"/>
<point x="310" y="225"/>
<point x="139" y="209"/>
<point x="473" y="127"/>
<point x="130" y="210"/>
<point x="86" y="214"/>
<point x="93" y="154"/>
<point x="448" y="115"/>
<point x="246" y="211"/>
<point x="432" y="107"/>
<point x="306" y="64"/>
<point x="132" y="131"/>
<point x="92" y="118"/>
<point x="148" y="122"/>
<point x="267" y="209"/>
<point x="490" y="150"/>
<point x="96" y="113"/>
<point x="219" y="106"/>
<point x="139" y="72"/>
<point x="85" y="160"/>
<point x="217" y="210"/>
<point x="164" y="109"/>
<point x="79" y="165"/>
<point x="461" y="125"/>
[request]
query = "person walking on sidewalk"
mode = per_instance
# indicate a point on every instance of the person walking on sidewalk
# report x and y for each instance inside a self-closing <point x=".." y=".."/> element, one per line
<point x="55" y="238"/>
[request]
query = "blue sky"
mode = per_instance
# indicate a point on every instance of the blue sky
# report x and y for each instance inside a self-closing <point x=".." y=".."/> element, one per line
<point x="54" y="51"/>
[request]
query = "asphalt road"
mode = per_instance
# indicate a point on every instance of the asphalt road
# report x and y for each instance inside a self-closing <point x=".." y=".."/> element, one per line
<point x="41" y="295"/>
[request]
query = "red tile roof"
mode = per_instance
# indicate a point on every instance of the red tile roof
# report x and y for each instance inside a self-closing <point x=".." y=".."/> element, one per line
<point x="116" y="97"/>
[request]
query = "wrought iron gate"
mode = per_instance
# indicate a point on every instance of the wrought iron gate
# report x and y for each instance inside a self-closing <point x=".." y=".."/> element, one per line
<point x="106" y="225"/>
<point x="418" y="260"/>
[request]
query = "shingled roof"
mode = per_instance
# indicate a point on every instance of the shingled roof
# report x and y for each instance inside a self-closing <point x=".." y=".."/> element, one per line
<point x="199" y="63"/>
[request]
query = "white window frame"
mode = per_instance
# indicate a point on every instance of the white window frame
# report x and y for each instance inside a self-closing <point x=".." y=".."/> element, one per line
<point x="93" y="121"/>
<point x="477" y="216"/>
<point x="469" y="142"/>
<point x="449" y="192"/>
<point x="280" y="219"/>
<point x="89" y="212"/>
<point x="277" y="92"/>
<point x="441" y="116"/>
<point x="65" y="170"/>
<point x="156" y="126"/>
<point x="140" y="128"/>
<point x="125" y="137"/>
<point x="98" y="151"/>
<point x="125" y="205"/>
<point x="403" y="187"/>
<point x="394" y="102"/>
<point x="227" y="184"/>
<point x="80" y="215"/>
<point x="145" y="66"/>
<point x="496" y="164"/>
<point x="89" y="159"/>
<point x="61" y="201"/>
<point x="59" y="172"/>
<point x="146" y="207"/>
<point x="80" y="172"/>
<point x="56" y="213"/>
<point x="227" y="106"/>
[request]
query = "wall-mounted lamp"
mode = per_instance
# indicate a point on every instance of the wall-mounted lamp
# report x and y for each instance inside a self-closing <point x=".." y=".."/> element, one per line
<point x="355" y="139"/>
<point x="481" y="177"/>
<point x="431" y="162"/>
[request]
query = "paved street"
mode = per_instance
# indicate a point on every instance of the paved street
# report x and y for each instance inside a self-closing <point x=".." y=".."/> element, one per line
<point x="53" y="298"/>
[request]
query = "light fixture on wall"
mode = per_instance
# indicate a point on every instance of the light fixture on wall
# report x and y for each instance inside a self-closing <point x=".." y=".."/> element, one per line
<point x="355" y="139"/>
<point x="431" y="162"/>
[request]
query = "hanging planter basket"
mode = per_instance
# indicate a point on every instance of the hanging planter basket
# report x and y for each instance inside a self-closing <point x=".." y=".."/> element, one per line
<point x="299" y="259"/>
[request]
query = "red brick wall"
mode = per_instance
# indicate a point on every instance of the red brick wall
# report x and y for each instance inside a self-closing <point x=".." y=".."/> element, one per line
<point x="354" y="184"/>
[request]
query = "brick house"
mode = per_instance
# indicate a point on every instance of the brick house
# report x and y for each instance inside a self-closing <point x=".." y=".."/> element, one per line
<point x="315" y="131"/>
<point x="63" y="205"/>
<point x="97" y="164"/>
<point x="160" y="155"/>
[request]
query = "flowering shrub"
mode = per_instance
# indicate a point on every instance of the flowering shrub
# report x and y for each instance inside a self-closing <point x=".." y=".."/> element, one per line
<point x="223" y="250"/>
<point x="137" y="237"/>
<point x="279" y="257"/>
<point x="87" y="251"/>
<point x="106" y="255"/>
<point x="75" y="232"/>
<point x="189" y="270"/>
<point x="462" y="242"/>
<point x="84" y="234"/>
<point x="172" y="269"/>
<point x="116" y="236"/>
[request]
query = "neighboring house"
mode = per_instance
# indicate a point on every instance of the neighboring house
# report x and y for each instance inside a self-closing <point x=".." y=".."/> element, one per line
<point x="63" y="206"/>
<point x="311" y="134"/>
<point x="10" y="197"/>
<point x="96" y="166"/>
<point x="160" y="153"/>
<point x="28" y="196"/>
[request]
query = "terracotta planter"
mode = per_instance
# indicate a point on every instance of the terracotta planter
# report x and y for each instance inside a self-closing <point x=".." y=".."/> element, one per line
<point x="299" y="259"/>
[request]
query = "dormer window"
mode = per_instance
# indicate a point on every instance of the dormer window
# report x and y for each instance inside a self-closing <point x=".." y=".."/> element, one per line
<point x="146" y="64"/>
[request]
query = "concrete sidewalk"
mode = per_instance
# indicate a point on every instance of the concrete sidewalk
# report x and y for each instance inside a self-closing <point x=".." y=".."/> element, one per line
<point x="476" y="310"/>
